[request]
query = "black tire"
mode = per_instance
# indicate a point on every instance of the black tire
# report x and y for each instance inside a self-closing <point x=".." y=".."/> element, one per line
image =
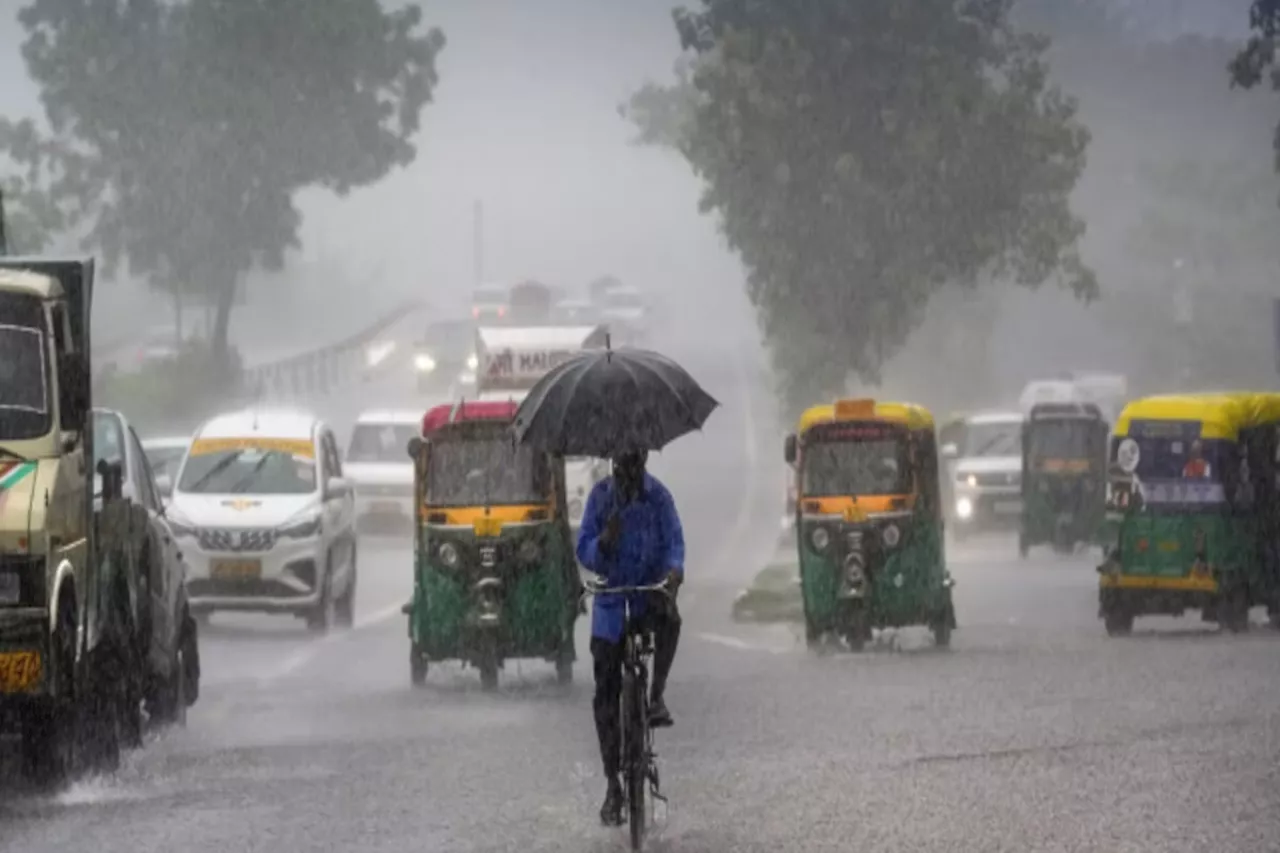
<point x="174" y="696"/>
<point x="941" y="627"/>
<point x="633" y="744"/>
<point x="51" y="737"/>
<point x="812" y="636"/>
<point x="1024" y="547"/>
<point x="489" y="674"/>
<point x="417" y="666"/>
<point x="857" y="630"/>
<point x="322" y="617"/>
<point x="127" y="685"/>
<point x="564" y="667"/>
<point x="102" y="729"/>
<point x="1234" y="611"/>
<point x="1119" y="622"/>
<point x="345" y="607"/>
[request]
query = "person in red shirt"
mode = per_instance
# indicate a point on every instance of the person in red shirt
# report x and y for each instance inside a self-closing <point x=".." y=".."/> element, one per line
<point x="1196" y="468"/>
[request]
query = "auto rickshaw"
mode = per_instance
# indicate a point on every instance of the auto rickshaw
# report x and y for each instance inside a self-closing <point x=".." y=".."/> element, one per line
<point x="494" y="570"/>
<point x="1193" y="510"/>
<point x="1064" y="462"/>
<point x="869" y="521"/>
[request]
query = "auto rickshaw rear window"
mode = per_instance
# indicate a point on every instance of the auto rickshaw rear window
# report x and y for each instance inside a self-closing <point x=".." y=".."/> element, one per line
<point x="855" y="459"/>
<point x="479" y="467"/>
<point x="1065" y="439"/>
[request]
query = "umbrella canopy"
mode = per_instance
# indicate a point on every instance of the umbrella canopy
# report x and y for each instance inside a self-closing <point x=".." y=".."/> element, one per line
<point x="605" y="402"/>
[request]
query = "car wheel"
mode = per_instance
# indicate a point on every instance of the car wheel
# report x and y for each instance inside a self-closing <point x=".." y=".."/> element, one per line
<point x="174" y="696"/>
<point x="323" y="616"/>
<point x="345" y="608"/>
<point x="51" y="738"/>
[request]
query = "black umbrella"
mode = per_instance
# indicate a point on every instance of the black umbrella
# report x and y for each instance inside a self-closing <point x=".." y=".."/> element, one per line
<point x="605" y="402"/>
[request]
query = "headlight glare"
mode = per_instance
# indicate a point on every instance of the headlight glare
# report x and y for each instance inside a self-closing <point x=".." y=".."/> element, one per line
<point x="424" y="363"/>
<point x="964" y="508"/>
<point x="472" y="362"/>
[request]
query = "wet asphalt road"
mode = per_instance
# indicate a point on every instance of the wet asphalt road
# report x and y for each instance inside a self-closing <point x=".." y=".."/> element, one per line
<point x="1034" y="732"/>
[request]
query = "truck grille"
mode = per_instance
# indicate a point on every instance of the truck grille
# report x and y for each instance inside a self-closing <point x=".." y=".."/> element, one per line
<point x="237" y="541"/>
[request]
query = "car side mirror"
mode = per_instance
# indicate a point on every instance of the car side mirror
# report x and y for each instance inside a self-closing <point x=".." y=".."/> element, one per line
<point x="337" y="487"/>
<point x="789" y="449"/>
<point x="164" y="485"/>
<point x="415" y="448"/>
<point x="112" y="474"/>
<point x="949" y="451"/>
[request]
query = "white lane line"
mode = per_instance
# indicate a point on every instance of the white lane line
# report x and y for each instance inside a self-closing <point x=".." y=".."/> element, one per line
<point x="740" y="644"/>
<point x="302" y="657"/>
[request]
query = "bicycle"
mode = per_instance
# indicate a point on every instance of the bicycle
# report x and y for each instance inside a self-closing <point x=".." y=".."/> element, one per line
<point x="638" y="757"/>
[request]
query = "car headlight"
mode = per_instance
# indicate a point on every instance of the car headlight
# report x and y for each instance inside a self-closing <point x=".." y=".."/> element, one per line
<point x="472" y="362"/>
<point x="448" y="554"/>
<point x="529" y="551"/>
<point x="891" y="535"/>
<point x="304" y="529"/>
<point x="819" y="538"/>
<point x="424" y="363"/>
<point x="971" y="481"/>
<point x="964" y="508"/>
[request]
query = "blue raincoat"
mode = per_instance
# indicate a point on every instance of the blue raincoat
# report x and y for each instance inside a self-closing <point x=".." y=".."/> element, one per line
<point x="650" y="544"/>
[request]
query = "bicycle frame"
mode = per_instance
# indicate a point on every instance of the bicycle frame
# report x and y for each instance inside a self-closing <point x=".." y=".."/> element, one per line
<point x="637" y="647"/>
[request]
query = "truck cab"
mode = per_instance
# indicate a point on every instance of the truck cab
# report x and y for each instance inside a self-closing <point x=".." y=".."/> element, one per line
<point x="52" y="589"/>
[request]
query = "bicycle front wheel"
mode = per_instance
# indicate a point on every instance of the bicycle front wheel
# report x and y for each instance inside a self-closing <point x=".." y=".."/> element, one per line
<point x="634" y="757"/>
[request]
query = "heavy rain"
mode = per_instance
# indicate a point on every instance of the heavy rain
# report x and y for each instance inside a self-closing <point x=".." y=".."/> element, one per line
<point x="977" y="551"/>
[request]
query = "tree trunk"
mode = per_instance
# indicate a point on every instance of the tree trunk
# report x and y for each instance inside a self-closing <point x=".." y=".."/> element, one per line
<point x="226" y="295"/>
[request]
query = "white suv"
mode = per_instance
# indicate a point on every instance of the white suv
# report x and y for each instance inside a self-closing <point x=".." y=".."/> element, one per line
<point x="267" y="519"/>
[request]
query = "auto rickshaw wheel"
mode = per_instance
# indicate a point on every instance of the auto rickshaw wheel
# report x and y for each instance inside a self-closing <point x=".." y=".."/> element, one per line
<point x="941" y="626"/>
<point x="1024" y="547"/>
<point x="812" y="636"/>
<point x="1119" y="622"/>
<point x="1234" y="610"/>
<point x="857" y="628"/>
<point x="489" y="675"/>
<point x="417" y="666"/>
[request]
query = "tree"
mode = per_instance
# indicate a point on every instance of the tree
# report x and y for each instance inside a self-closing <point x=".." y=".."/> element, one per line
<point x="182" y="131"/>
<point x="862" y="156"/>
<point x="31" y="216"/>
<point x="1258" y="56"/>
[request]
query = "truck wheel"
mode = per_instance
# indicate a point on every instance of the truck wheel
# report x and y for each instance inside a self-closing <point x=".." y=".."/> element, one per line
<point x="102" y="725"/>
<point x="417" y="666"/>
<point x="50" y="737"/>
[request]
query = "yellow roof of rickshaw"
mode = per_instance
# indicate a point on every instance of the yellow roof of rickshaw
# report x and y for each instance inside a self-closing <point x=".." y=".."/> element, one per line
<point x="1220" y="415"/>
<point x="914" y="416"/>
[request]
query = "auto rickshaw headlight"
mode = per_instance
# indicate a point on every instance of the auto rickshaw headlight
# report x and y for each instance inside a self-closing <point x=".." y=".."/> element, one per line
<point x="819" y="539"/>
<point x="529" y="550"/>
<point x="448" y="554"/>
<point x="971" y="480"/>
<point x="891" y="535"/>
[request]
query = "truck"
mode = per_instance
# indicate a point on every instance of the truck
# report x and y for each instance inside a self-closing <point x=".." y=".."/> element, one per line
<point x="510" y="362"/>
<point x="70" y="674"/>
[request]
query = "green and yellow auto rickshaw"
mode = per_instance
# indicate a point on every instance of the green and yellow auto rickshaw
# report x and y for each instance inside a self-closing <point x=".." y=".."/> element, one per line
<point x="869" y="521"/>
<point x="495" y="575"/>
<point x="1193" y="510"/>
<point x="1064" y="463"/>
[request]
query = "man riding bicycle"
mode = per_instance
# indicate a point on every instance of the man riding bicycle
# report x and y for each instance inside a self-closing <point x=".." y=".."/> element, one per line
<point x="630" y="535"/>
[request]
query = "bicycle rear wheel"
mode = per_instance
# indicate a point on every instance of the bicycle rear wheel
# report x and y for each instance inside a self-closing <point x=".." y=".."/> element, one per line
<point x="634" y="745"/>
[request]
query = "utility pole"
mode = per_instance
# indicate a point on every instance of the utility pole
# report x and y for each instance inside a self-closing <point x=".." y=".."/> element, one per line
<point x="477" y="242"/>
<point x="4" y="234"/>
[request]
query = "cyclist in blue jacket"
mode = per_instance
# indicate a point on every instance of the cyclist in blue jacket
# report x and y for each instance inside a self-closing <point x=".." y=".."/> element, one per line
<point x="631" y="536"/>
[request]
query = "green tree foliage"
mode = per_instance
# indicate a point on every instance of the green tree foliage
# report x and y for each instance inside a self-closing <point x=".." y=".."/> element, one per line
<point x="863" y="156"/>
<point x="182" y="131"/>
<point x="31" y="215"/>
<point x="1258" y="57"/>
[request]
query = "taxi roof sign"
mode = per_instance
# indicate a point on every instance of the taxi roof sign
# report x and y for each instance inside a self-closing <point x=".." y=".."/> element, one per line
<point x="853" y="409"/>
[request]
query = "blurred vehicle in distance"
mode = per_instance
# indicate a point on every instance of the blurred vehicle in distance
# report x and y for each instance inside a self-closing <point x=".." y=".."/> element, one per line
<point x="987" y="473"/>
<point x="530" y="304"/>
<point x="164" y="455"/>
<point x="445" y="357"/>
<point x="378" y="464"/>
<point x="626" y="310"/>
<point x="489" y="304"/>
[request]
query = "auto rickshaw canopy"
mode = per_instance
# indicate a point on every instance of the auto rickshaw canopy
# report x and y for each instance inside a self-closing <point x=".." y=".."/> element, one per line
<point x="1220" y="415"/>
<point x="912" y="415"/>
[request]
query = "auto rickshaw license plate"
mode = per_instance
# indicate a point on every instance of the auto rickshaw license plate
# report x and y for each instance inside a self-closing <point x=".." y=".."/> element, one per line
<point x="20" y="672"/>
<point x="236" y="570"/>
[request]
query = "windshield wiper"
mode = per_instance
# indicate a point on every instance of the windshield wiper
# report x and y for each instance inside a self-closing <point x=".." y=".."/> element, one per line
<point x="218" y="467"/>
<point x="247" y="480"/>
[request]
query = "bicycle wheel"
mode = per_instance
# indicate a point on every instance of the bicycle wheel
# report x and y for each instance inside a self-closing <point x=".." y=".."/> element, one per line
<point x="634" y="757"/>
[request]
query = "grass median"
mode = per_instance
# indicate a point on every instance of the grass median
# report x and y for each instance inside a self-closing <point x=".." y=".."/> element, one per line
<point x="773" y="596"/>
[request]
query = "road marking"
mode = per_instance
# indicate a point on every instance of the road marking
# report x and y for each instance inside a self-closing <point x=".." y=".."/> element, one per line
<point x="740" y="644"/>
<point x="302" y="657"/>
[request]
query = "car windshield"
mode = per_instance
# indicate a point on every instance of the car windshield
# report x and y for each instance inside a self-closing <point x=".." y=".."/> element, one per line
<point x="993" y="439"/>
<point x="24" y="387"/>
<point x="164" y="461"/>
<point x="248" y="471"/>
<point x="1071" y="439"/>
<point x="839" y="468"/>
<point x="474" y="471"/>
<point x="381" y="443"/>
<point x="489" y="296"/>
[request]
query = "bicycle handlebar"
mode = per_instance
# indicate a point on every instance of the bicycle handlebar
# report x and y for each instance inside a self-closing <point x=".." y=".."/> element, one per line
<point x="592" y="587"/>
